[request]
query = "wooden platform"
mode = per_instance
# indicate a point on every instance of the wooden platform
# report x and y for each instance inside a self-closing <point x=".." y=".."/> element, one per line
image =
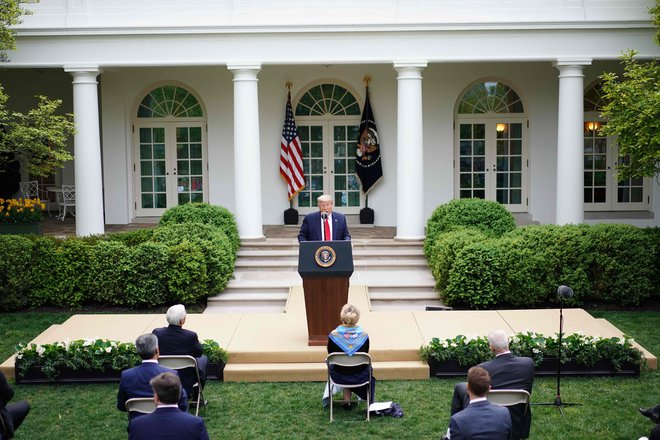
<point x="272" y="347"/>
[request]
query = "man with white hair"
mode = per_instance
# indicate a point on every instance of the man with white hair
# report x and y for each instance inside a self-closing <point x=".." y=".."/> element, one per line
<point x="506" y="372"/>
<point x="175" y="340"/>
<point x="325" y="224"/>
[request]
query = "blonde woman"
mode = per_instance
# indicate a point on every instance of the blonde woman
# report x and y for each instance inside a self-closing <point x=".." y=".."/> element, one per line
<point x="350" y="338"/>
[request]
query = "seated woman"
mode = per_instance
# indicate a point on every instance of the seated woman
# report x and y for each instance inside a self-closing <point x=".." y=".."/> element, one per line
<point x="350" y="338"/>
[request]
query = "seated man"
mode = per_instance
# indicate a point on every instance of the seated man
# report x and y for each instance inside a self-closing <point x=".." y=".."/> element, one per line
<point x="11" y="414"/>
<point x="175" y="340"/>
<point x="167" y="422"/>
<point x="135" y="381"/>
<point x="481" y="419"/>
<point x="507" y="372"/>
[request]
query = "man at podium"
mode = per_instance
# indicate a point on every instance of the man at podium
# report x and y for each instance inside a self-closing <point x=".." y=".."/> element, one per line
<point x="325" y="224"/>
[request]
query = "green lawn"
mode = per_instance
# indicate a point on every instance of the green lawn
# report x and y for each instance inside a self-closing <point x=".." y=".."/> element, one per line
<point x="293" y="410"/>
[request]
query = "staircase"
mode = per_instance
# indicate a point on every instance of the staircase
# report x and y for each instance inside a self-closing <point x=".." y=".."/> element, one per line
<point x="395" y="273"/>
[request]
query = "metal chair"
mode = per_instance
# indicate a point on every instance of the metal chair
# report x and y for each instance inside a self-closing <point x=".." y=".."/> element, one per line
<point x="182" y="362"/>
<point x="142" y="405"/>
<point x="30" y="189"/>
<point x="68" y="200"/>
<point x="509" y="397"/>
<point x="344" y="360"/>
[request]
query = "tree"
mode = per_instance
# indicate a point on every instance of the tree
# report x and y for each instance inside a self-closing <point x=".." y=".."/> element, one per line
<point x="632" y="111"/>
<point x="39" y="137"/>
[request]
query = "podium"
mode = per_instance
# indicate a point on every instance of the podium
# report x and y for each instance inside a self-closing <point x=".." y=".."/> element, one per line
<point x="325" y="268"/>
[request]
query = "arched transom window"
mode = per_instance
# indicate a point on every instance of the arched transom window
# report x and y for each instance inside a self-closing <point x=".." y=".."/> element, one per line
<point x="169" y="101"/>
<point x="490" y="97"/>
<point x="327" y="99"/>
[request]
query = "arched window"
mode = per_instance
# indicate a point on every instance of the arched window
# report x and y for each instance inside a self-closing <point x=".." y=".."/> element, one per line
<point x="327" y="99"/>
<point x="490" y="97"/>
<point x="169" y="101"/>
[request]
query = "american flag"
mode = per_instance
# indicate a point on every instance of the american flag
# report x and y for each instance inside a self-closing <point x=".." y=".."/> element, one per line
<point x="291" y="165"/>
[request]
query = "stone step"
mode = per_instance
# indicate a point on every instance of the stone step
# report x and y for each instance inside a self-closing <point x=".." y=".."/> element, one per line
<point x="358" y="253"/>
<point x="292" y="265"/>
<point x="318" y="372"/>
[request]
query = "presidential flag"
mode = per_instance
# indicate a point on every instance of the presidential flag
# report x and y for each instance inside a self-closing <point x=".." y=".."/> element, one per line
<point x="368" y="164"/>
<point x="291" y="164"/>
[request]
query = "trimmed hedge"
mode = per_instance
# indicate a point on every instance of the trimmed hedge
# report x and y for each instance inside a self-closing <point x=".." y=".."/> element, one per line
<point x="174" y="263"/>
<point x="480" y="260"/>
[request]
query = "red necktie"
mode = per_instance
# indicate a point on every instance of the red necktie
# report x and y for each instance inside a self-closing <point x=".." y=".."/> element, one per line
<point x="326" y="230"/>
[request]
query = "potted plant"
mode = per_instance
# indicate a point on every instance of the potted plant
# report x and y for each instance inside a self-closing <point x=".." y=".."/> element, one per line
<point x="218" y="358"/>
<point x="21" y="216"/>
<point x="580" y="354"/>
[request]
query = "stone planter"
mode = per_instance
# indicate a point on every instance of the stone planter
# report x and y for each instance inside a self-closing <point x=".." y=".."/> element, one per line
<point x="547" y="368"/>
<point x="20" y="228"/>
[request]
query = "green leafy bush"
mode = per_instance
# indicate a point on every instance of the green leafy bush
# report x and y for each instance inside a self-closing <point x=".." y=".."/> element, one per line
<point x="143" y="271"/>
<point x="490" y="217"/>
<point x="131" y="238"/>
<point x="15" y="276"/>
<point x="105" y="281"/>
<point x="475" y="279"/>
<point x="72" y="276"/>
<point x="217" y="216"/>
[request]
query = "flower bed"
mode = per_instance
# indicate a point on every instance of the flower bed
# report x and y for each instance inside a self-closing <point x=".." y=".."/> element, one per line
<point x="92" y="360"/>
<point x="580" y="354"/>
<point x="21" y="210"/>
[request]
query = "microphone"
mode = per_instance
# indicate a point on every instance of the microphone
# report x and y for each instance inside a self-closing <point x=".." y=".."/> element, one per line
<point x="564" y="291"/>
<point x="324" y="215"/>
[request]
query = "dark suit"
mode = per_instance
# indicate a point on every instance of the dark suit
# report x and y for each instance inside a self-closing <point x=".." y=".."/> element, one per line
<point x="176" y="340"/>
<point x="311" y="227"/>
<point x="506" y="372"/>
<point x="135" y="383"/>
<point x="481" y="421"/>
<point x="168" y="424"/>
<point x="12" y="414"/>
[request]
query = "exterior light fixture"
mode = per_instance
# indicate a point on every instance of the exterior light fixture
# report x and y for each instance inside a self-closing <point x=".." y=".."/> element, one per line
<point x="501" y="128"/>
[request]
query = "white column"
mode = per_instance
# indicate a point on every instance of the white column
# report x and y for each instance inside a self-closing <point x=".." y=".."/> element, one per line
<point x="247" y="151"/>
<point x="410" y="152"/>
<point x="570" y="142"/>
<point x="87" y="151"/>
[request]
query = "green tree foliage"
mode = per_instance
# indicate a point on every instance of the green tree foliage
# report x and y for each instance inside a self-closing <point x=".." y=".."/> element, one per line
<point x="37" y="138"/>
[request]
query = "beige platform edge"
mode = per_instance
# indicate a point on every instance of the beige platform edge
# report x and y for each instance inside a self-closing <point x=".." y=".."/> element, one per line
<point x="272" y="347"/>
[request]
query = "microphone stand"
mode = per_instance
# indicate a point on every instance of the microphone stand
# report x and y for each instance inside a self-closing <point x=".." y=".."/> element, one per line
<point x="558" y="402"/>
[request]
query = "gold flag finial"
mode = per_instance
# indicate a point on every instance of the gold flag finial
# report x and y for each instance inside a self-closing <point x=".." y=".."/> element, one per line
<point x="288" y="85"/>
<point x="367" y="80"/>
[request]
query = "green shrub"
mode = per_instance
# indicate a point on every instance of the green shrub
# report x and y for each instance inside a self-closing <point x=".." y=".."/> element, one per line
<point x="44" y="266"/>
<point x="131" y="238"/>
<point x="143" y="271"/>
<point x="524" y="273"/>
<point x="71" y="279"/>
<point x="490" y="217"/>
<point x="443" y="252"/>
<point x="653" y="240"/>
<point x="212" y="242"/>
<point x="623" y="268"/>
<point x="217" y="216"/>
<point x="187" y="279"/>
<point x="475" y="278"/>
<point x="105" y="281"/>
<point x="15" y="276"/>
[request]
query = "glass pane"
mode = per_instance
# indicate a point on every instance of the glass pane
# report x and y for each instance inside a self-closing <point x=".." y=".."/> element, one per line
<point x="588" y="179"/>
<point x="466" y="164"/>
<point x="303" y="133"/>
<point x="145" y="135"/>
<point x="353" y="133"/>
<point x="341" y="198"/>
<point x="502" y="147"/>
<point x="340" y="149"/>
<point x="316" y="183"/>
<point x="623" y="195"/>
<point x="147" y="201"/>
<point x="317" y="166"/>
<point x="465" y="181"/>
<point x="340" y="166"/>
<point x="466" y="131"/>
<point x="515" y="180"/>
<point x="588" y="162"/>
<point x="600" y="178"/>
<point x="304" y="199"/>
<point x="159" y="151"/>
<point x="503" y="196"/>
<point x="479" y="194"/>
<point x="516" y="147"/>
<point x="479" y="148"/>
<point x="353" y="183"/>
<point x="599" y="195"/>
<point x="183" y="184"/>
<point x="354" y="199"/>
<point x="183" y="198"/>
<point x="197" y="184"/>
<point x="147" y="184"/>
<point x="197" y="197"/>
<point x="465" y="148"/>
<point x="182" y="168"/>
<point x="516" y="164"/>
<point x="479" y="180"/>
<point x="502" y="164"/>
<point x="502" y="180"/>
<point x="588" y="196"/>
<point x="516" y="196"/>
<point x="159" y="135"/>
<point x="195" y="167"/>
<point x="145" y="151"/>
<point x="316" y="133"/>
<point x="516" y="131"/>
<point x="340" y="183"/>
<point x="351" y="165"/>
<point x="601" y="145"/>
<point x="161" y="201"/>
<point x="636" y="195"/>
<point x="182" y="151"/>
<point x="146" y="168"/>
<point x="479" y="164"/>
<point x="196" y="151"/>
<point x="340" y="133"/>
<point x="159" y="168"/>
<point x="600" y="162"/>
<point x="182" y="134"/>
<point x="160" y="184"/>
<point x="317" y="149"/>
<point x="479" y="131"/>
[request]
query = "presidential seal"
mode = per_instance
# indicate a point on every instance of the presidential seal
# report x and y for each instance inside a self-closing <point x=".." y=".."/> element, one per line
<point x="325" y="256"/>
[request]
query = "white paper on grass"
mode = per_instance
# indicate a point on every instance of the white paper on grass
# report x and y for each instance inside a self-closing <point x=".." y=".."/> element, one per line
<point x="379" y="406"/>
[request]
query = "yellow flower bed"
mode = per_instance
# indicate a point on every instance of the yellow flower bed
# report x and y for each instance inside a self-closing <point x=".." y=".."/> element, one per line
<point x="21" y="210"/>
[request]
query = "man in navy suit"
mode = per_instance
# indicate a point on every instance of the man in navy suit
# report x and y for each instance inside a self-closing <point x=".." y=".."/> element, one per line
<point x="481" y="420"/>
<point x="314" y="225"/>
<point x="175" y="340"/>
<point x="506" y="372"/>
<point x="135" y="381"/>
<point x="167" y="422"/>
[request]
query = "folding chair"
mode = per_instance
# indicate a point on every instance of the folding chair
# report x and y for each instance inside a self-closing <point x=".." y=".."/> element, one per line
<point x="181" y="362"/>
<point x="509" y="397"/>
<point x="344" y="360"/>
<point x="142" y="405"/>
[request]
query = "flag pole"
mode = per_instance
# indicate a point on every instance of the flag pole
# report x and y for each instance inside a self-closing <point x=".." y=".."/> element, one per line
<point x="288" y="85"/>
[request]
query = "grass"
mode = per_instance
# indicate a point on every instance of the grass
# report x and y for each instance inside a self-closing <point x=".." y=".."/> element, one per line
<point x="293" y="410"/>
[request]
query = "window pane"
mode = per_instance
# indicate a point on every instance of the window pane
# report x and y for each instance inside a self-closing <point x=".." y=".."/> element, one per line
<point x="353" y="183"/>
<point x="340" y="166"/>
<point x="145" y="151"/>
<point x="196" y="151"/>
<point x="161" y="184"/>
<point x="145" y="135"/>
<point x="317" y="183"/>
<point x="161" y="201"/>
<point x="197" y="197"/>
<point x="515" y="180"/>
<point x="317" y="149"/>
<point x="340" y="182"/>
<point x="587" y="196"/>
<point x="503" y="196"/>
<point x="340" y="149"/>
<point x="146" y="168"/>
<point x="502" y="164"/>
<point x="478" y="180"/>
<point x="195" y="167"/>
<point x="479" y="148"/>
<point x="183" y="198"/>
<point x="159" y="151"/>
<point x="147" y="201"/>
<point x="182" y="134"/>
<point x="159" y="168"/>
<point x="465" y="148"/>
<point x="339" y="133"/>
<point x="159" y="135"/>
<point x="466" y="131"/>
<point x="147" y="184"/>
<point x="466" y="164"/>
<point x="182" y="168"/>
<point x="197" y="184"/>
<point x="316" y="133"/>
<point x="354" y="199"/>
<point x="465" y="181"/>
<point x="516" y="197"/>
<point x="599" y="195"/>
<point x="636" y="195"/>
<point x="479" y="164"/>
<point x="516" y="147"/>
<point x="317" y="166"/>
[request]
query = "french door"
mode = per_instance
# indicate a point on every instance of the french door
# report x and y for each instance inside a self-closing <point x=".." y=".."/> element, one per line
<point x="170" y="166"/>
<point x="491" y="161"/>
<point x="328" y="149"/>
